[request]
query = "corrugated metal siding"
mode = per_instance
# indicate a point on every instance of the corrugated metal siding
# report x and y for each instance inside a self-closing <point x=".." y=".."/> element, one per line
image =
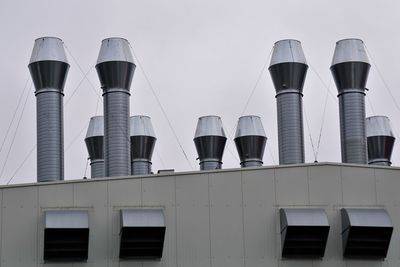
<point x="224" y="218"/>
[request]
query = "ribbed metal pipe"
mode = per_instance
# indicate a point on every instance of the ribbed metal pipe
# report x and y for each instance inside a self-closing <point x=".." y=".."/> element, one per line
<point x="352" y="127"/>
<point x="290" y="127"/>
<point x="97" y="168"/>
<point x="49" y="67"/>
<point x="380" y="140"/>
<point x="288" y="69"/>
<point x="115" y="69"/>
<point x="350" y="68"/>
<point x="141" y="167"/>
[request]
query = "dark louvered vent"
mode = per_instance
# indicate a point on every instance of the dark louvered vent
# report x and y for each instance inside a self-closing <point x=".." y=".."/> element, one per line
<point x="304" y="233"/>
<point x="366" y="233"/>
<point x="66" y="236"/>
<point x="142" y="234"/>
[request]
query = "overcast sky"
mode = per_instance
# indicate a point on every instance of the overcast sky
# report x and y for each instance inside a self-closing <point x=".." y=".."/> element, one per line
<point x="202" y="57"/>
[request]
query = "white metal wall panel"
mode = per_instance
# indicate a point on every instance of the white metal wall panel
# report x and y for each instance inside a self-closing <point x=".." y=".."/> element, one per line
<point x="19" y="227"/>
<point x="226" y="217"/>
<point x="325" y="185"/>
<point x="292" y="186"/>
<point x="259" y="216"/>
<point x="193" y="220"/>
<point x="160" y="192"/>
<point x="358" y="186"/>
<point x="93" y="196"/>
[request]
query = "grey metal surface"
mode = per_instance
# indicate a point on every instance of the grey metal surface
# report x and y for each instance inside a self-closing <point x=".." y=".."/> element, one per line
<point x="97" y="168"/>
<point x="95" y="145"/>
<point x="349" y="50"/>
<point x="250" y="140"/>
<point x="142" y="218"/>
<point x="303" y="217"/>
<point x="352" y="127"/>
<point x="288" y="50"/>
<point x="290" y="128"/>
<point x="380" y="140"/>
<point x="48" y="48"/>
<point x="62" y="219"/>
<point x="288" y="69"/>
<point x="49" y="67"/>
<point x="350" y="68"/>
<point x="210" y="142"/>
<point x="143" y="140"/>
<point x="197" y="207"/>
<point x="115" y="69"/>
<point x="365" y="217"/>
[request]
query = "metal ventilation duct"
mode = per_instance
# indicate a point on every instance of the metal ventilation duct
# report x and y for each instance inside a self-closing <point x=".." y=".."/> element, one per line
<point x="288" y="69"/>
<point x="210" y="142"/>
<point x="143" y="140"/>
<point x="250" y="140"/>
<point x="115" y="68"/>
<point x="350" y="68"/>
<point x="94" y="143"/>
<point x="380" y="140"/>
<point x="49" y="67"/>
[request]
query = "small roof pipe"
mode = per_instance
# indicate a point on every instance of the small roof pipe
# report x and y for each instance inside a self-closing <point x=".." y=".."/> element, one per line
<point x="288" y="69"/>
<point x="48" y="67"/>
<point x="143" y="140"/>
<point x="210" y="140"/>
<point x="250" y="140"/>
<point x="350" y="68"/>
<point x="115" y="68"/>
<point x="95" y="145"/>
<point x="380" y="140"/>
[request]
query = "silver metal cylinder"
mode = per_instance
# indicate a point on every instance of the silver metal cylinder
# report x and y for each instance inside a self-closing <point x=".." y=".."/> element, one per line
<point x="350" y="68"/>
<point x="288" y="69"/>
<point x="250" y="140"/>
<point x="95" y="145"/>
<point x="210" y="142"/>
<point x="115" y="68"/>
<point x="143" y="140"/>
<point x="48" y="67"/>
<point x="380" y="140"/>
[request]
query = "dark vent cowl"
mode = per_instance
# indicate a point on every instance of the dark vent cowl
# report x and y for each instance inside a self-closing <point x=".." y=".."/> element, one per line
<point x="380" y="140"/>
<point x="94" y="143"/>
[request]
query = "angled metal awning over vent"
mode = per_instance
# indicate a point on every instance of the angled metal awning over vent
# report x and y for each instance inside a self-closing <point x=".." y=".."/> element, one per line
<point x="366" y="233"/>
<point x="66" y="235"/>
<point x="142" y="234"/>
<point x="304" y="232"/>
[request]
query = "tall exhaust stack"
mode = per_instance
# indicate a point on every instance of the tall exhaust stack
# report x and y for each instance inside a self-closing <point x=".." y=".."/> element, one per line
<point x="210" y="142"/>
<point x="380" y="140"/>
<point x="288" y="69"/>
<point x="94" y="142"/>
<point x="250" y="140"/>
<point x="350" y="68"/>
<point x="115" y="68"/>
<point x="49" y="67"/>
<point x="143" y="140"/>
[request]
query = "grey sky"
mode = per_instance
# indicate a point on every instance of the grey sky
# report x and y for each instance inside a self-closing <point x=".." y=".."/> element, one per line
<point x="202" y="57"/>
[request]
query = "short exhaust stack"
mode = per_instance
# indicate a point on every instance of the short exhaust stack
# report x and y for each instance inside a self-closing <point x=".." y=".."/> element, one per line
<point x="115" y="68"/>
<point x="95" y="146"/>
<point x="250" y="140"/>
<point x="48" y="67"/>
<point x="210" y="142"/>
<point x="380" y="140"/>
<point x="288" y="69"/>
<point x="350" y="68"/>
<point x="143" y="140"/>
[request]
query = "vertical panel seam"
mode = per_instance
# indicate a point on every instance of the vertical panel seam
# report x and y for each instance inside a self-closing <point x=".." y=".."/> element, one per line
<point x="243" y="237"/>
<point x="38" y="222"/>
<point x="176" y="224"/>
<point x="1" y="228"/>
<point x="209" y="216"/>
